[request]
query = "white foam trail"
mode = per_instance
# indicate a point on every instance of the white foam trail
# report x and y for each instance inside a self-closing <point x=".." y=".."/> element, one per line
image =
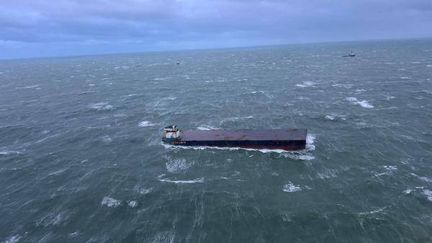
<point x="373" y="211"/>
<point x="58" y="172"/>
<point x="29" y="87"/>
<point x="363" y="103"/>
<point x="13" y="239"/>
<point x="110" y="202"/>
<point x="146" y="124"/>
<point x="290" y="187"/>
<point x="206" y="128"/>
<point x="9" y="152"/>
<point x="197" y="180"/>
<point x="423" y="178"/>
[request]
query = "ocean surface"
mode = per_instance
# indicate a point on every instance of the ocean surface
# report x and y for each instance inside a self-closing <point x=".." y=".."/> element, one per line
<point x="81" y="158"/>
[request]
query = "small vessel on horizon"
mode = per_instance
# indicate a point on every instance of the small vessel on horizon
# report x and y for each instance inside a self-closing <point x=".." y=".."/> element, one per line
<point x="284" y="139"/>
<point x="351" y="54"/>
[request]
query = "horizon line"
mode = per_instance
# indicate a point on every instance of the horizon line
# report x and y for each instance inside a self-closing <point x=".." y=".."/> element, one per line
<point x="211" y="48"/>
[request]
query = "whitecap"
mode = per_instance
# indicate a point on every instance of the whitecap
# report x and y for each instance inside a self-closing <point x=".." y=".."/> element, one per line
<point x="256" y="92"/>
<point x="429" y="65"/>
<point x="405" y="78"/>
<point x="30" y="87"/>
<point x="101" y="106"/>
<point x="390" y="167"/>
<point x="373" y="211"/>
<point x="166" y="236"/>
<point x="9" y="152"/>
<point x="428" y="194"/>
<point x="310" y="142"/>
<point x="423" y="178"/>
<point x="146" y="124"/>
<point x="290" y="187"/>
<point x="330" y="117"/>
<point x="206" y="127"/>
<point x="91" y="85"/>
<point x="363" y="103"/>
<point x="306" y="84"/>
<point x="144" y="191"/>
<point x="132" y="204"/>
<point x="110" y="202"/>
<point x="177" y="165"/>
<point x="13" y="239"/>
<point x="407" y="191"/>
<point x="284" y="153"/>
<point x="57" y="172"/>
<point x="197" y="180"/>
<point x="327" y="174"/>
<point x="106" y="139"/>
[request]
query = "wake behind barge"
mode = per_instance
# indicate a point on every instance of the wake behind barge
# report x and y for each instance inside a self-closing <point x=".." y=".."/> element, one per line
<point x="285" y="139"/>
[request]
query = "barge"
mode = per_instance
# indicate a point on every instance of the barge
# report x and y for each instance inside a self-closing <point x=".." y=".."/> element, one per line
<point x="284" y="139"/>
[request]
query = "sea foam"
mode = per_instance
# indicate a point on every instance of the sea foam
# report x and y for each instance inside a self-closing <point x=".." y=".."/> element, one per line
<point x="362" y="103"/>
<point x="177" y="165"/>
<point x="146" y="124"/>
<point x="101" y="106"/>
<point x="110" y="202"/>
<point x="197" y="180"/>
<point x="290" y="187"/>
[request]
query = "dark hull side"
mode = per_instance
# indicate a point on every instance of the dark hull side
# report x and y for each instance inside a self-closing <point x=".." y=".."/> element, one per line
<point x="283" y="145"/>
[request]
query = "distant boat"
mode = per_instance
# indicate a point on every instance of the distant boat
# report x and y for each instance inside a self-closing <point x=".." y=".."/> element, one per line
<point x="351" y="54"/>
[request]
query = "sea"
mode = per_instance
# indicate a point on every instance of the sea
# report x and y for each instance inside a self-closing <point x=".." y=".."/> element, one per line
<point x="81" y="158"/>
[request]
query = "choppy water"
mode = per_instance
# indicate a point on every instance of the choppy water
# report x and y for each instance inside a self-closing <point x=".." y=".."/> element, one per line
<point x="81" y="158"/>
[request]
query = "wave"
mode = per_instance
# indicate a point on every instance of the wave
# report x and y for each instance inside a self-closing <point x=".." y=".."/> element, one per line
<point x="110" y="202"/>
<point x="428" y="194"/>
<point x="296" y="155"/>
<point x="423" y="178"/>
<point x="197" y="180"/>
<point x="132" y="204"/>
<point x="13" y="239"/>
<point x="306" y="84"/>
<point x="206" y="127"/>
<point x="9" y="152"/>
<point x="177" y="165"/>
<point x="146" y="124"/>
<point x="144" y="191"/>
<point x="290" y="187"/>
<point x="372" y="211"/>
<point x="362" y="103"/>
<point x="101" y="106"/>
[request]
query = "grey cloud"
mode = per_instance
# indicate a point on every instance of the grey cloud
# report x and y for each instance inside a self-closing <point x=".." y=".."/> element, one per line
<point x="201" y="22"/>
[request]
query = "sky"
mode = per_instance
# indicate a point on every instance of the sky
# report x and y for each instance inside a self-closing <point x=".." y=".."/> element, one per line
<point x="39" y="28"/>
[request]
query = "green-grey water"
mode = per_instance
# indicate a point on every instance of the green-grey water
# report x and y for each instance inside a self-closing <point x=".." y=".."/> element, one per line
<point x="81" y="158"/>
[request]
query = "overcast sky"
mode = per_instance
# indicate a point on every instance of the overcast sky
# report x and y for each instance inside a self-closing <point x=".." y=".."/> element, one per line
<point x="31" y="28"/>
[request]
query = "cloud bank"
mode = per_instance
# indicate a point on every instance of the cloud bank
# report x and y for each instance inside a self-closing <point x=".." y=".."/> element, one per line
<point x="74" y="27"/>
